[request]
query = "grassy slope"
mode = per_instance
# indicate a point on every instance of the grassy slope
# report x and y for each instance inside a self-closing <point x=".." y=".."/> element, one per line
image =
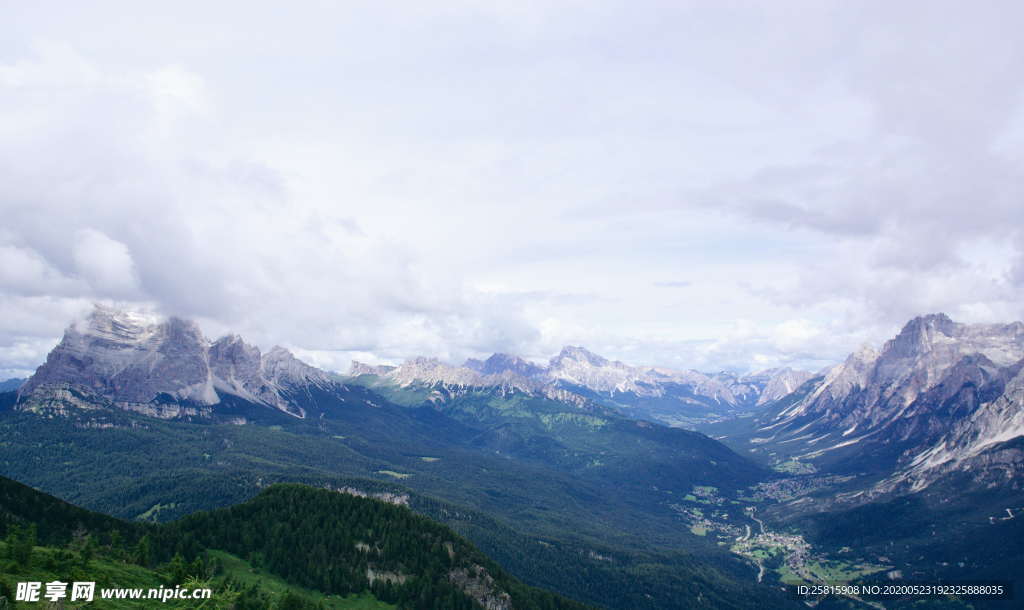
<point x="109" y="570"/>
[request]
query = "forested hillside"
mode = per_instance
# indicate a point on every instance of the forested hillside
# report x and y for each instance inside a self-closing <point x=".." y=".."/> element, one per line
<point x="567" y="511"/>
<point x="316" y="547"/>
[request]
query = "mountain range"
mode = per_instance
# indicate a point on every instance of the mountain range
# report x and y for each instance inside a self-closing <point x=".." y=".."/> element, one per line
<point x="579" y="376"/>
<point x="565" y="492"/>
<point x="891" y="462"/>
<point x="167" y="368"/>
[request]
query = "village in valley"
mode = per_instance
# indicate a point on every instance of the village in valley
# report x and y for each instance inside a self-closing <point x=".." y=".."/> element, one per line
<point x="784" y="557"/>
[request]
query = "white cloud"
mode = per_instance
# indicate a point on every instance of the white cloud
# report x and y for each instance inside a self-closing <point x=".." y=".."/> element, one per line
<point x="686" y="184"/>
<point x="24" y="271"/>
<point x="105" y="263"/>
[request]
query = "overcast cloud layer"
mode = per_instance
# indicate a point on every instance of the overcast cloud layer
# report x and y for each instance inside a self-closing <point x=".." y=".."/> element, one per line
<point x="708" y="185"/>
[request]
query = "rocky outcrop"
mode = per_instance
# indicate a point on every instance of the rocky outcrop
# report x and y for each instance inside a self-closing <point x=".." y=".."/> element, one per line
<point x="477" y="583"/>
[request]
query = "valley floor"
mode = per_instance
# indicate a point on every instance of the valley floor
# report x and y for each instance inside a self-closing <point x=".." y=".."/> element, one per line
<point x="782" y="558"/>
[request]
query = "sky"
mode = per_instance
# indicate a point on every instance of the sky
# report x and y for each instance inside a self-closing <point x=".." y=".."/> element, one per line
<point x="710" y="185"/>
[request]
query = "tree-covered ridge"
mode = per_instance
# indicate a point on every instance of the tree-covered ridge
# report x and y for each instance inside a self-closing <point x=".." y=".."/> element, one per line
<point x="340" y="543"/>
<point x="55" y="521"/>
<point x="315" y="539"/>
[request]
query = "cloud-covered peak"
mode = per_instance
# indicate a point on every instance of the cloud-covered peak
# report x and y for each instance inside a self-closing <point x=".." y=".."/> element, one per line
<point x="116" y="322"/>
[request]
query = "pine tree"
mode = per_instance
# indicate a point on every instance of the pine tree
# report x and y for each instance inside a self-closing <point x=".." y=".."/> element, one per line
<point x="23" y="545"/>
<point x="178" y="569"/>
<point x="196" y="569"/>
<point x="6" y="593"/>
<point x="144" y="551"/>
<point x="88" y="550"/>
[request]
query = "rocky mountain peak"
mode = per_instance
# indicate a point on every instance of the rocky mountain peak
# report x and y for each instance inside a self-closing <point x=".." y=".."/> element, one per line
<point x="116" y="325"/>
<point x="934" y="375"/>
<point x="780" y="382"/>
<point x="234" y="363"/>
<point x="231" y="349"/>
<point x="280" y="353"/>
<point x="578" y="366"/>
<point x="128" y="357"/>
<point x="921" y="334"/>
<point x="123" y="329"/>
<point x="432" y="370"/>
<point x="231" y="341"/>
<point x="131" y="359"/>
<point x="474" y="364"/>
<point x="359" y="368"/>
<point x="939" y="321"/>
<point x="280" y="367"/>
<point x="580" y="355"/>
<point x="501" y="363"/>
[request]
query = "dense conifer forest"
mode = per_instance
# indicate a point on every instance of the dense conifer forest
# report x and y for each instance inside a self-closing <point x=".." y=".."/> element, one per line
<point x="319" y="543"/>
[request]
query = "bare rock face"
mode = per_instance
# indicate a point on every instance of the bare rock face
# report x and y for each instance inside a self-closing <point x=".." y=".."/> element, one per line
<point x="779" y="383"/>
<point x="129" y="358"/>
<point x="163" y="368"/>
<point x="478" y="584"/>
<point x="943" y="395"/>
<point x="240" y="369"/>
<point x="975" y="441"/>
<point x="235" y="363"/>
